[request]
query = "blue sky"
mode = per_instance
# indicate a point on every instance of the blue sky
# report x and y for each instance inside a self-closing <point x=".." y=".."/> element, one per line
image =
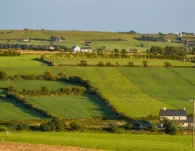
<point x="144" y="16"/>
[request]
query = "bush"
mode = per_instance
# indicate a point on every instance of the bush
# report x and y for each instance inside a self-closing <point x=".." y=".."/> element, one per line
<point x="83" y="63"/>
<point x="22" y="127"/>
<point x="112" y="128"/>
<point x="3" y="128"/>
<point x="128" y="126"/>
<point x="167" y="64"/>
<point x="75" y="126"/>
<point x="131" y="64"/>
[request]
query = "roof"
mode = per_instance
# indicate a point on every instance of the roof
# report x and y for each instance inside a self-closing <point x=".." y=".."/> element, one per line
<point x="89" y="48"/>
<point x="172" y="112"/>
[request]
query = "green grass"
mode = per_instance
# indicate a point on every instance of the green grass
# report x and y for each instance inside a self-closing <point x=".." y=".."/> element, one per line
<point x="117" y="142"/>
<point x="151" y="62"/>
<point x="35" y="84"/>
<point x="164" y="84"/>
<point x="73" y="107"/>
<point x="19" y="61"/>
<point x="10" y="110"/>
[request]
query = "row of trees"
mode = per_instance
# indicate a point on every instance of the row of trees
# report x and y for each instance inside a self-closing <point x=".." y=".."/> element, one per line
<point x="31" y="47"/>
<point x="44" y="90"/>
<point x="9" y="53"/>
<point x="152" y="38"/>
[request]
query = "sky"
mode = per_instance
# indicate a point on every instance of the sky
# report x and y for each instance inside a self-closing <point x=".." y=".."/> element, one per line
<point x="142" y="16"/>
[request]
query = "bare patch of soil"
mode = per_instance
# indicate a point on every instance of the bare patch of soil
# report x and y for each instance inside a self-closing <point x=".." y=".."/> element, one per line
<point x="37" y="147"/>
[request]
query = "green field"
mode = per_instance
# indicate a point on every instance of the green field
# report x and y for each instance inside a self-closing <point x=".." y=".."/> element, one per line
<point x="10" y="110"/>
<point x="35" y="84"/>
<point x="114" y="142"/>
<point x="19" y="62"/>
<point x="73" y="107"/>
<point x="164" y="84"/>
<point x="138" y="62"/>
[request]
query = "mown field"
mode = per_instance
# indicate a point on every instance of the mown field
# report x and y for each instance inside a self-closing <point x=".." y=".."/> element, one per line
<point x="137" y="62"/>
<point x="35" y="84"/>
<point x="116" y="142"/>
<point x="73" y="107"/>
<point x="164" y="84"/>
<point x="10" y="110"/>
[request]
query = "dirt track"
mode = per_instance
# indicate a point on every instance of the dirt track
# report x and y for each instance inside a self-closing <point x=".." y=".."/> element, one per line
<point x="37" y="147"/>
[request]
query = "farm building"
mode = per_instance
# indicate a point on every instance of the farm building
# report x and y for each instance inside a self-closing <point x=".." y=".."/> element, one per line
<point x="75" y="49"/>
<point x="176" y="116"/>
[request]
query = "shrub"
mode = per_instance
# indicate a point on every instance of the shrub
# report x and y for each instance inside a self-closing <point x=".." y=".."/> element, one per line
<point x="3" y="75"/>
<point x="112" y="128"/>
<point x="83" y="63"/>
<point x="145" y="63"/>
<point x="167" y="64"/>
<point x="75" y="126"/>
<point x="3" y="128"/>
<point x="100" y="63"/>
<point x="131" y="64"/>
<point x="128" y="126"/>
<point x="22" y="126"/>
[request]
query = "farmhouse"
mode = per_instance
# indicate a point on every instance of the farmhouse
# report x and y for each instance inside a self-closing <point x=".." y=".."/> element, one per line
<point x="25" y="40"/>
<point x="86" y="49"/>
<point x="82" y="49"/>
<point x="189" y="42"/>
<point x="176" y="116"/>
<point x="135" y="50"/>
<point x="75" y="49"/>
<point x="51" y="47"/>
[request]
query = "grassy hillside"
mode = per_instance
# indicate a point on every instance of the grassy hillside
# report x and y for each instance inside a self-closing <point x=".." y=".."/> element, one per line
<point x="72" y="107"/>
<point x="10" y="110"/>
<point x="163" y="84"/>
<point x="79" y="38"/>
<point x="117" y="142"/>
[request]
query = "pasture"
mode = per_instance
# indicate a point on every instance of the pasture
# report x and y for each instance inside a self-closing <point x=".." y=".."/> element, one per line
<point x="11" y="110"/>
<point x="72" y="107"/>
<point x="164" y="84"/>
<point x="117" y="142"/>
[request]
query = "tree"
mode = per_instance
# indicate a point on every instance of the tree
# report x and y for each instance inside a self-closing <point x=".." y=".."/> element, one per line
<point x="131" y="64"/>
<point x="170" y="128"/>
<point x="3" y="75"/>
<point x="145" y="63"/>
<point x="167" y="64"/>
<point x="83" y="63"/>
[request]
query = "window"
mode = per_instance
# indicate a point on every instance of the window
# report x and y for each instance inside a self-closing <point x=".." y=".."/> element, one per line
<point x="173" y="117"/>
<point x="179" y="118"/>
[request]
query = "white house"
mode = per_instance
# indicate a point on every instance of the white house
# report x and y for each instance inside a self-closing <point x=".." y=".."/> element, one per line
<point x="86" y="49"/>
<point x="51" y="47"/>
<point x="75" y="49"/>
<point x="176" y="116"/>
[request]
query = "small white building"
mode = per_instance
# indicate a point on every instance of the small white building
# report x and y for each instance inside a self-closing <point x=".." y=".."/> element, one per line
<point x="176" y="116"/>
<point x="75" y="49"/>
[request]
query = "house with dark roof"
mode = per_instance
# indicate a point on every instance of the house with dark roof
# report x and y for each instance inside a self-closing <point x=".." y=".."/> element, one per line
<point x="176" y="115"/>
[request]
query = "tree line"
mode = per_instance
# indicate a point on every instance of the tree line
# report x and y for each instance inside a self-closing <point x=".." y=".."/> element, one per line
<point x="9" y="53"/>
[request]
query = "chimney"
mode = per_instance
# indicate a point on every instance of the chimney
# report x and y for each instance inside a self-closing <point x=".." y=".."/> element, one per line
<point x="164" y="108"/>
<point x="184" y="108"/>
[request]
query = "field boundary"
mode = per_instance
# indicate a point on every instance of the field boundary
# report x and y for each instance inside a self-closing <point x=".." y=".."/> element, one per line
<point x="182" y="76"/>
<point x="145" y="90"/>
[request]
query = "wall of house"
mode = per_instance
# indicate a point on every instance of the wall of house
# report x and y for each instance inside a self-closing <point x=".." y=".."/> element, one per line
<point x="174" y="118"/>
